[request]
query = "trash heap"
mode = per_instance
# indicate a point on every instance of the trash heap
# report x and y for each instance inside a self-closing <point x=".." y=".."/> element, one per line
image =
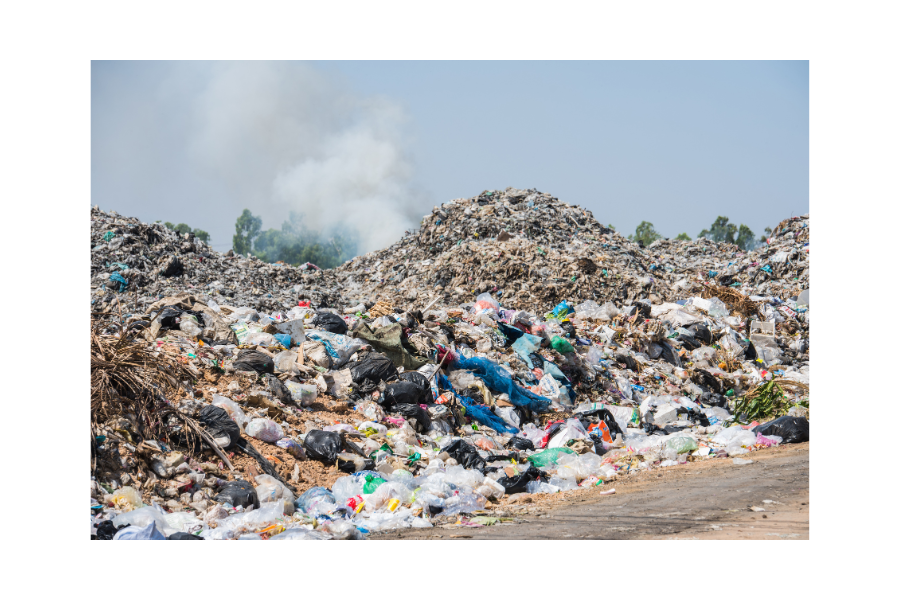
<point x="231" y="399"/>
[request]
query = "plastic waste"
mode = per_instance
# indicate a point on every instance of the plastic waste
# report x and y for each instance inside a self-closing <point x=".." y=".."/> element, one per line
<point x="233" y="409"/>
<point x="301" y="393"/>
<point x="322" y="445"/>
<point x="266" y="430"/>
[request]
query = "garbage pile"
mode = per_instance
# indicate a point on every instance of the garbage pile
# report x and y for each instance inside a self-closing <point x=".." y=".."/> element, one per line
<point x="237" y="400"/>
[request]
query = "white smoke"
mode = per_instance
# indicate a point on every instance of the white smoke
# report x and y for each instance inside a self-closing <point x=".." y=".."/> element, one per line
<point x="284" y="137"/>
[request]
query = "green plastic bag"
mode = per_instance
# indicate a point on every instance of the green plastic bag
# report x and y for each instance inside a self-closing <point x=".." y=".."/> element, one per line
<point x="560" y="345"/>
<point x="548" y="458"/>
<point x="682" y="444"/>
<point x="372" y="484"/>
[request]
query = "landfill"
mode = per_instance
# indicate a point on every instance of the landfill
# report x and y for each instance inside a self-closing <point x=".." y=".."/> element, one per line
<point x="511" y="346"/>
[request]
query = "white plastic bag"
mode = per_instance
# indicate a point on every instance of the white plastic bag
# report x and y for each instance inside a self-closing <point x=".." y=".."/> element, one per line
<point x="266" y="430"/>
<point x="572" y="430"/>
<point x="485" y="303"/>
<point x="270" y="489"/>
<point x="339" y="347"/>
<point x="286" y="362"/>
<point x="303" y="394"/>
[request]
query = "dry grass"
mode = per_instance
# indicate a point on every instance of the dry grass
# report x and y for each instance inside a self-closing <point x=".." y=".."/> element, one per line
<point x="128" y="380"/>
<point x="736" y="301"/>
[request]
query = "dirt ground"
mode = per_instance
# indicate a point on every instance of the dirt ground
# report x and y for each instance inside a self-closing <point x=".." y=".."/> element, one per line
<point x="711" y="499"/>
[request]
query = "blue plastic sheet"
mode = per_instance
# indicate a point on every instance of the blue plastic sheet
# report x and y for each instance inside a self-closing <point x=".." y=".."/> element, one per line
<point x="562" y="309"/>
<point x="499" y="381"/>
<point x="551" y="368"/>
<point x="123" y="283"/>
<point x="479" y="412"/>
<point x="525" y="345"/>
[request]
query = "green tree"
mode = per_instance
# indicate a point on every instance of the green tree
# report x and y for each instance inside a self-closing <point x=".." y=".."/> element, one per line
<point x="766" y="235"/>
<point x="611" y="226"/>
<point x="720" y="231"/>
<point x="199" y="233"/>
<point x="169" y="225"/>
<point x="746" y="238"/>
<point x="683" y="236"/>
<point x="295" y="244"/>
<point x="645" y="233"/>
<point x="246" y="228"/>
<point x="723" y="231"/>
<point x="182" y="228"/>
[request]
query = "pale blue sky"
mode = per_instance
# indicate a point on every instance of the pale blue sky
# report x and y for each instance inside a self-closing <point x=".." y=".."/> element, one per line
<point x="675" y="143"/>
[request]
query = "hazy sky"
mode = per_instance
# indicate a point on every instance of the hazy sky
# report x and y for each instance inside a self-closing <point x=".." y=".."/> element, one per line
<point x="376" y="145"/>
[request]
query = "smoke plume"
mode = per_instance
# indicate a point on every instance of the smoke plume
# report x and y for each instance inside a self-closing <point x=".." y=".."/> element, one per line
<point x="200" y="141"/>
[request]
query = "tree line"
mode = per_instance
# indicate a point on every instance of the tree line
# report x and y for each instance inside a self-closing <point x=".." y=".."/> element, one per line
<point x="720" y="231"/>
<point x="294" y="243"/>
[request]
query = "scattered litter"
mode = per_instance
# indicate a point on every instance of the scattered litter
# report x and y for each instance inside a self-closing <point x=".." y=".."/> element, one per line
<point x="512" y="346"/>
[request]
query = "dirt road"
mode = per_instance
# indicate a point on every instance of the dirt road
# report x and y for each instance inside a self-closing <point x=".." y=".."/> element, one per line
<point x="713" y="499"/>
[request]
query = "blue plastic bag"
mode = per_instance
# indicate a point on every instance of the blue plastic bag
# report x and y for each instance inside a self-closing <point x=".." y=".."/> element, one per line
<point x="525" y="345"/>
<point x="499" y="381"/>
<point x="312" y="496"/>
<point x="562" y="309"/>
<point x="478" y="412"/>
<point x="283" y="339"/>
<point x="123" y="283"/>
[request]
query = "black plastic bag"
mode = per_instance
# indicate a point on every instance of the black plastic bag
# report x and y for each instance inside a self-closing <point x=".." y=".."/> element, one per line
<point x="750" y="351"/>
<point x="628" y="361"/>
<point x="520" y="443"/>
<point x="536" y="360"/>
<point x="168" y="317"/>
<point x="322" y="445"/>
<point x="706" y="379"/>
<point x="107" y="531"/>
<point x="669" y="355"/>
<point x="180" y="535"/>
<point x="218" y="424"/>
<point x="329" y="322"/>
<point x="404" y="392"/>
<point x="279" y="390"/>
<point x="694" y="415"/>
<point x="508" y="456"/>
<point x="792" y="430"/>
<point x="700" y="332"/>
<point x="172" y="267"/>
<point x="511" y="333"/>
<point x="642" y="308"/>
<point x="418" y="416"/>
<point x="713" y="399"/>
<point x="607" y="417"/>
<point x="569" y="329"/>
<point x="238" y="493"/>
<point x="466" y="455"/>
<point x="253" y="360"/>
<point x="517" y="484"/>
<point x="416" y="378"/>
<point x="651" y="428"/>
<point x="356" y="464"/>
<point x="374" y="367"/>
<point x="688" y="341"/>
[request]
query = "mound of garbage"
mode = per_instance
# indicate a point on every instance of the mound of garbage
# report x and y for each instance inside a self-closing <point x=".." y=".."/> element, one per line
<point x="512" y="346"/>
